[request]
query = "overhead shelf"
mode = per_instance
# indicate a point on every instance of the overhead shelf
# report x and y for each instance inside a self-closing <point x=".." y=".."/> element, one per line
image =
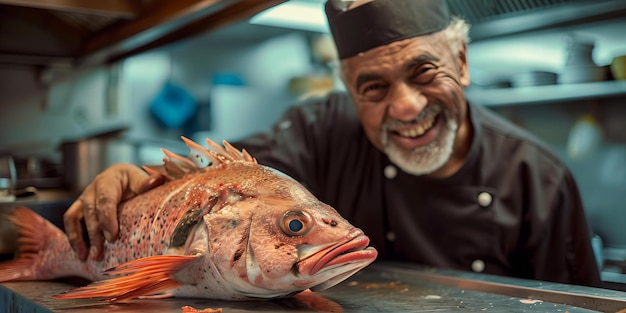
<point x="546" y="93"/>
<point x="69" y="33"/>
<point x="495" y="18"/>
<point x="77" y="32"/>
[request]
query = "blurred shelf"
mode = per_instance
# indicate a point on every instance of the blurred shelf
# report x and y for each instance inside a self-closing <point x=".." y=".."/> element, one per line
<point x="546" y="93"/>
<point x="69" y="33"/>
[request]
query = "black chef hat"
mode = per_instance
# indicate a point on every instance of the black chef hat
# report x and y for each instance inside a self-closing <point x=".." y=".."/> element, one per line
<point x="381" y="22"/>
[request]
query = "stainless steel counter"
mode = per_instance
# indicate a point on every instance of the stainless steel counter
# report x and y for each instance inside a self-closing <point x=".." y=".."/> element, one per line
<point x="381" y="287"/>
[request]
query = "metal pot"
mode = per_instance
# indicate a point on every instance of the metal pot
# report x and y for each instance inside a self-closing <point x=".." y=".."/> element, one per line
<point x="8" y="178"/>
<point x="84" y="158"/>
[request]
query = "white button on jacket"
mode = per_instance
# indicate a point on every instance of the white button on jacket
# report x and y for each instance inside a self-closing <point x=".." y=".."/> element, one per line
<point x="484" y="199"/>
<point x="478" y="266"/>
<point x="391" y="171"/>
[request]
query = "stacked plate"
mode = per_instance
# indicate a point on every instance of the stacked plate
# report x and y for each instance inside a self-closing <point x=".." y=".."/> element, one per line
<point x="582" y="74"/>
<point x="533" y="78"/>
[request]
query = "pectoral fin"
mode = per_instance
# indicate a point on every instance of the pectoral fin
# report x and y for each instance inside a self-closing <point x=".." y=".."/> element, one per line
<point x="143" y="277"/>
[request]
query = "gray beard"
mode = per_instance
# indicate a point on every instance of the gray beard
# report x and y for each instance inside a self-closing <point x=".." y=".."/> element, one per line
<point x="425" y="159"/>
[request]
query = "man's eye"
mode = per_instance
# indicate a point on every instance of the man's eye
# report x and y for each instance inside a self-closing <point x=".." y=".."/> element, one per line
<point x="425" y="74"/>
<point x="372" y="87"/>
<point x="373" y="91"/>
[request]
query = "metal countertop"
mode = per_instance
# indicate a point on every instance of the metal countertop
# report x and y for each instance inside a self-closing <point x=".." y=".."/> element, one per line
<point x="381" y="287"/>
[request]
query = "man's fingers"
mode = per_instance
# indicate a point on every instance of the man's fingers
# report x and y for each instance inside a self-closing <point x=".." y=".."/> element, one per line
<point x="96" y="239"/>
<point x="107" y="216"/>
<point x="72" y="223"/>
<point x="108" y="194"/>
<point x="98" y="205"/>
<point x="151" y="182"/>
<point x="110" y="191"/>
<point x="138" y="181"/>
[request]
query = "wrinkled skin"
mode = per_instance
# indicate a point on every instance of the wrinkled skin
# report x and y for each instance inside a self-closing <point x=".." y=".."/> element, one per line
<point x="410" y="99"/>
<point x="97" y="206"/>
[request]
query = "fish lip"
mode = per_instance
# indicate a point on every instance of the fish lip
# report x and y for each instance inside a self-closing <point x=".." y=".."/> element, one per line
<point x="352" y="250"/>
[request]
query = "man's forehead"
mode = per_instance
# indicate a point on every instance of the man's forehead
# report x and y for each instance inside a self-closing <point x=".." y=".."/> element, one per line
<point x="397" y="57"/>
<point x="429" y="47"/>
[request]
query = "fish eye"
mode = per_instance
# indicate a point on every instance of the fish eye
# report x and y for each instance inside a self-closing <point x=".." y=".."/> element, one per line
<point x="295" y="223"/>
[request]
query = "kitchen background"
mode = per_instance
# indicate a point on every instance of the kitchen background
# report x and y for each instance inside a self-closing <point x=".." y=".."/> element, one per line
<point x="546" y="65"/>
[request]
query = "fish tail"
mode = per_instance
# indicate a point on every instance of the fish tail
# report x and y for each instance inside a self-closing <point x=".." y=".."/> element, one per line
<point x="33" y="233"/>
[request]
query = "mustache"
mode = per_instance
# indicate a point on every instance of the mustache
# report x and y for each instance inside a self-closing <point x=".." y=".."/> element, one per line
<point x="428" y="112"/>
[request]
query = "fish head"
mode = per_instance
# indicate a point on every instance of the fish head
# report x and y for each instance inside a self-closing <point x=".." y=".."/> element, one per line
<point x="276" y="239"/>
<point x="263" y="234"/>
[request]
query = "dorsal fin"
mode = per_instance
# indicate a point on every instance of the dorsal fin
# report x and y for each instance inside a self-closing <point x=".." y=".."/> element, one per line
<point x="175" y="166"/>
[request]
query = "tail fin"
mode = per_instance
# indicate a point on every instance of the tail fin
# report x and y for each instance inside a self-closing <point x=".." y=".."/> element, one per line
<point x="33" y="231"/>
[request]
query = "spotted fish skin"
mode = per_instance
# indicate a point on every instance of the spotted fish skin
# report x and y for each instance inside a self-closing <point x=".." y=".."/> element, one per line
<point x="221" y="227"/>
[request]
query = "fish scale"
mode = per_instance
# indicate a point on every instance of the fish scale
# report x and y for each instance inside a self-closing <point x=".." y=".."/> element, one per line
<point x="231" y="230"/>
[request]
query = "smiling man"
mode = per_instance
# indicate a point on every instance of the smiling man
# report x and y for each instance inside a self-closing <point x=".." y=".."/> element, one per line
<point x="409" y="95"/>
<point x="431" y="178"/>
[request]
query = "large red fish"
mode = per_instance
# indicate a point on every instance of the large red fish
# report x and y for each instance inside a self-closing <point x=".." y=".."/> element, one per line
<point x="222" y="227"/>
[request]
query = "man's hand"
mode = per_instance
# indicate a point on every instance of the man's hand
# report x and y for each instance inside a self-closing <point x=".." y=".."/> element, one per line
<point x="98" y="203"/>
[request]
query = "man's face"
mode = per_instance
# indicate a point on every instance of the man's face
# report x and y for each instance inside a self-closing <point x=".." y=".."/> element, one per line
<point x="409" y="95"/>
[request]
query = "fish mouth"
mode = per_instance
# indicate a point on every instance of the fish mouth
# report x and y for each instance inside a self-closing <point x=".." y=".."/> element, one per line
<point x="354" y="250"/>
<point x="337" y="262"/>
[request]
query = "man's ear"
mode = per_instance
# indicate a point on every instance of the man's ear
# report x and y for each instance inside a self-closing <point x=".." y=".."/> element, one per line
<point x="462" y="62"/>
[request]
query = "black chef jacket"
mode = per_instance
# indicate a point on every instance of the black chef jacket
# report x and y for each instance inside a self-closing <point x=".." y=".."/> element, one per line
<point x="512" y="209"/>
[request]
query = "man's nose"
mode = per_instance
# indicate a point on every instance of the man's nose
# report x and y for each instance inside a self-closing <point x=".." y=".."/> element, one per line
<point x="406" y="103"/>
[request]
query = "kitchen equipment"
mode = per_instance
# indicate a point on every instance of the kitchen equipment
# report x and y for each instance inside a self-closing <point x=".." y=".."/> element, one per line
<point x="311" y="85"/>
<point x="579" y="50"/>
<point x="87" y="156"/>
<point x="579" y="65"/>
<point x="39" y="172"/>
<point x="533" y="78"/>
<point x="584" y="137"/>
<point x="583" y="74"/>
<point x="618" y="67"/>
<point x="8" y="178"/>
<point x="173" y="106"/>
